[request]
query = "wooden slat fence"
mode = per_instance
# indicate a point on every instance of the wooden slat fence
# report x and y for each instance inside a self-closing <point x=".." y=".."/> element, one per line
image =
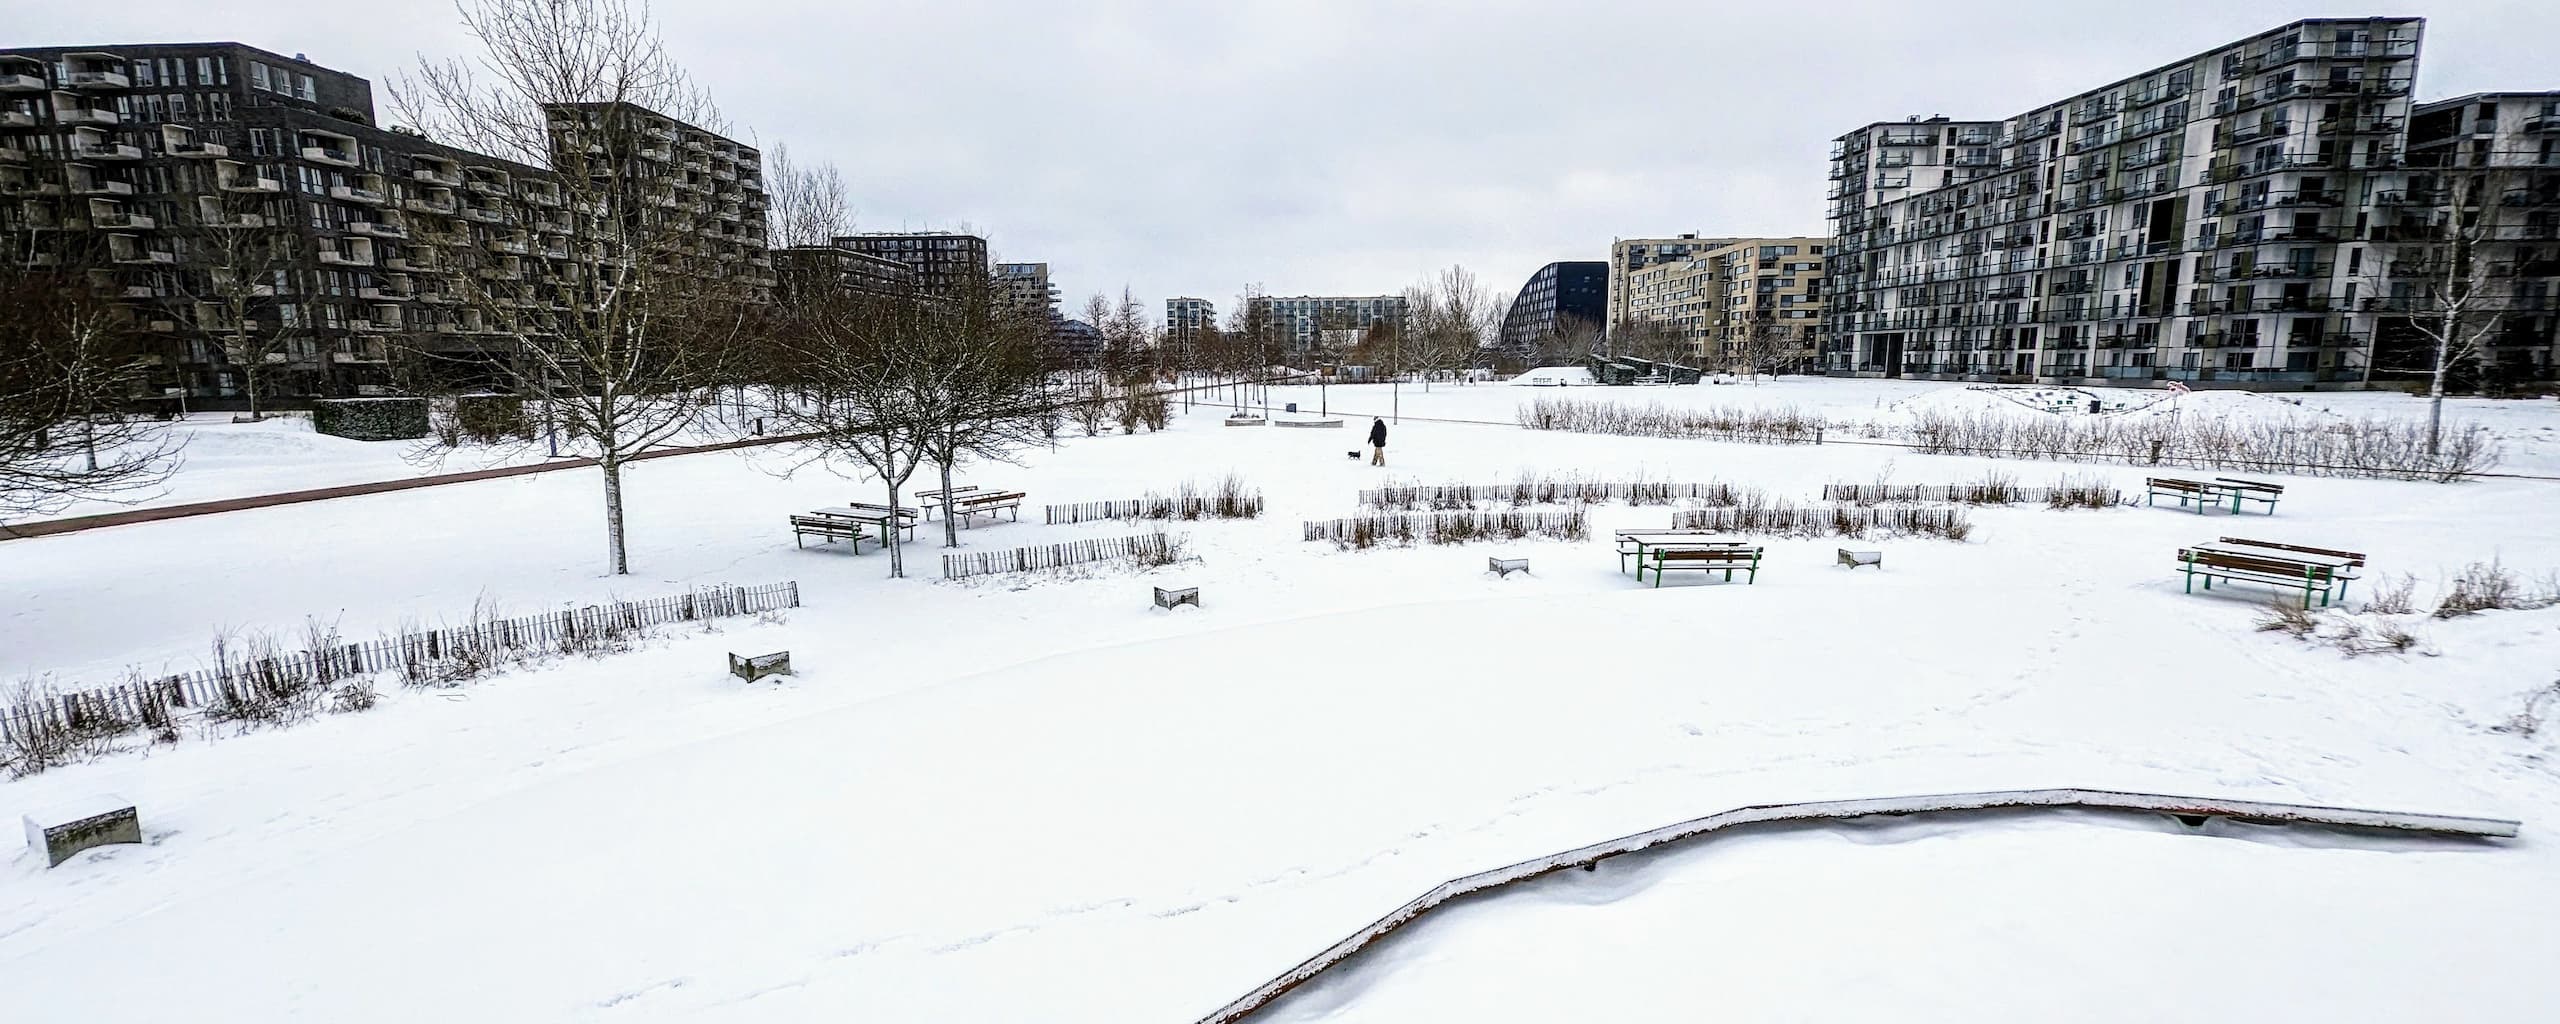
<point x="1447" y="528"/>
<point x="1056" y="556"/>
<point x="1969" y="494"/>
<point x="1790" y="520"/>
<point x="1153" y="507"/>
<point x="1550" y="492"/>
<point x="238" y="681"/>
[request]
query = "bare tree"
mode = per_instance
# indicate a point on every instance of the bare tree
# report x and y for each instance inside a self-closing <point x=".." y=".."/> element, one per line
<point x="1448" y="320"/>
<point x="591" y="281"/>
<point x="248" y="254"/>
<point x="805" y="204"/>
<point x="979" y="389"/>
<point x="69" y="359"/>
<point x="2444" y="288"/>
<point x="1762" y="344"/>
<point x="853" y="386"/>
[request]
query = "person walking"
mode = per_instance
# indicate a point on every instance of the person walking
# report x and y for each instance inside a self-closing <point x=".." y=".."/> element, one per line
<point x="1377" y="442"/>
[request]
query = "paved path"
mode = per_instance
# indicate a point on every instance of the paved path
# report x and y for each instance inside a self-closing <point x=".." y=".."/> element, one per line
<point x="76" y="524"/>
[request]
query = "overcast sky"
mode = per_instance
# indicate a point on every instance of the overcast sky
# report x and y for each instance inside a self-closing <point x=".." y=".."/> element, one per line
<point x="1344" y="147"/>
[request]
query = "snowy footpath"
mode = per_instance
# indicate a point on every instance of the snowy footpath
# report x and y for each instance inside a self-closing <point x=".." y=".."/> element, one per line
<point x="1036" y="798"/>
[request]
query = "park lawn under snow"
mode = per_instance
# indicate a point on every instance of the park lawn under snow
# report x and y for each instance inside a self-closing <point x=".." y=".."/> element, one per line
<point x="1036" y="798"/>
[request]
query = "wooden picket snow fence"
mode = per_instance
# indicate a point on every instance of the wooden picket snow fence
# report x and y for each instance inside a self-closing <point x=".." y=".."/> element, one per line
<point x="1360" y="532"/>
<point x="417" y="656"/>
<point x="1965" y="494"/>
<point x="1550" y="492"/>
<point x="1058" y="556"/>
<point x="1783" y="519"/>
<point x="1245" y="507"/>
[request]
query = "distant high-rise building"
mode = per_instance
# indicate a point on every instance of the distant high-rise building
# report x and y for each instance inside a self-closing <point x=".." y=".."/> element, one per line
<point x="1300" y="318"/>
<point x="945" y="261"/>
<point x="1183" y="320"/>
<point x="1751" y="300"/>
<point x="1557" y="297"/>
<point x="1628" y="255"/>
<point x="1025" y="287"/>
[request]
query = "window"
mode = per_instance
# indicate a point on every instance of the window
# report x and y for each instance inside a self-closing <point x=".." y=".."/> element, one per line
<point x="306" y="91"/>
<point x="258" y="76"/>
<point x="142" y="74"/>
<point x="204" y="71"/>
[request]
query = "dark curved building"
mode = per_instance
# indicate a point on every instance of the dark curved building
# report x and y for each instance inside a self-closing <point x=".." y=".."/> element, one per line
<point x="1558" y="292"/>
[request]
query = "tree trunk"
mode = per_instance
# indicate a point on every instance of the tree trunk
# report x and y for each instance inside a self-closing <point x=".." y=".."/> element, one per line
<point x="89" y="441"/>
<point x="897" y="550"/>
<point x="950" y="526"/>
<point x="613" y="534"/>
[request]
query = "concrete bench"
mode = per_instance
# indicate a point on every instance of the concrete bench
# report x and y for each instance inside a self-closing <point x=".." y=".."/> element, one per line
<point x="1169" y="597"/>
<point x="1244" y="421"/>
<point x="1504" y="567"/>
<point x="62" y="831"/>
<point x="1854" y="559"/>
<point x="1318" y="424"/>
<point x="751" y="669"/>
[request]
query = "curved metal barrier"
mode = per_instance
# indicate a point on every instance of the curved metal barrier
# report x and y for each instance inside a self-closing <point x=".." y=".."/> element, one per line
<point x="1821" y="810"/>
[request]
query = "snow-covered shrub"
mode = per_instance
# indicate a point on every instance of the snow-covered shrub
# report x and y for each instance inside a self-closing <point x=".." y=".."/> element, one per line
<point x="1784" y="425"/>
<point x="2487" y="586"/>
<point x="1360" y="533"/>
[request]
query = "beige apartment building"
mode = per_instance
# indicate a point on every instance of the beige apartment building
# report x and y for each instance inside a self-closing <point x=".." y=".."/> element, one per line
<point x="1738" y="302"/>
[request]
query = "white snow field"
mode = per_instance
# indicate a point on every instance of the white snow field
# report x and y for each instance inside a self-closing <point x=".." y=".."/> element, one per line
<point x="1036" y="798"/>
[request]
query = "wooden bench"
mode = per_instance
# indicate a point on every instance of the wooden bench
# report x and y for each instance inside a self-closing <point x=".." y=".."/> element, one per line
<point x="1854" y="559"/>
<point x="2346" y="564"/>
<point x="1635" y="542"/>
<point x="2198" y="491"/>
<point x="833" y="529"/>
<point x="2249" y="490"/>
<point x="988" y="503"/>
<point x="1707" y="559"/>
<point x="1504" y="567"/>
<point x="906" y="518"/>
<point x="759" y="666"/>
<point x="1169" y="597"/>
<point x="2210" y="564"/>
<point x="933" y="499"/>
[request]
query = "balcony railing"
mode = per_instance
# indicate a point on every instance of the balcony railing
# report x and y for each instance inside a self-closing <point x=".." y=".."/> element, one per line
<point x="327" y="155"/>
<point x="353" y="194"/>
<point x="106" y="151"/>
<point x="432" y="176"/>
<point x="98" y="80"/>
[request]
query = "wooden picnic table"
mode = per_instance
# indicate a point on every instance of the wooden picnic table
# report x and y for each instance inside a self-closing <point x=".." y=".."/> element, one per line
<point x="2316" y="571"/>
<point x="1639" y="543"/>
<point x="881" y="516"/>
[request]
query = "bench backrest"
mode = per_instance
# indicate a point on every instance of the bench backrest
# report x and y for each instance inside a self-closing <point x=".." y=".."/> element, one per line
<point x="1718" y="555"/>
<point x="2171" y="483"/>
<point x="814" y="523"/>
<point x="990" y="498"/>
<point x="2252" y="563"/>
<point x="2249" y="485"/>
<point x="2356" y="556"/>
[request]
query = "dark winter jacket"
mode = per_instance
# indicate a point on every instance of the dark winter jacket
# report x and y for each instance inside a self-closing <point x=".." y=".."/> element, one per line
<point x="1378" y="434"/>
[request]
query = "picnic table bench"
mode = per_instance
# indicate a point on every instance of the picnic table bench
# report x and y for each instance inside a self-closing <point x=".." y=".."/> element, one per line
<point x="875" y="517"/>
<point x="1704" y="557"/>
<point x="2315" y="571"/>
<point x="2212" y="493"/>
<point x="987" y="502"/>
<point x="1636" y="542"/>
<point x="933" y="499"/>
<point x="829" y="527"/>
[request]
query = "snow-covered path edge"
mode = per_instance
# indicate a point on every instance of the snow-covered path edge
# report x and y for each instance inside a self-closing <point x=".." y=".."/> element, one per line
<point x="1826" y="810"/>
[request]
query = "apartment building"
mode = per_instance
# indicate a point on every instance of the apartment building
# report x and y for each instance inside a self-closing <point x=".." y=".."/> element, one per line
<point x="1025" y="287"/>
<point x="1184" y="318"/>
<point x="1556" y="299"/>
<point x="2207" y="220"/>
<point x="1736" y="303"/>
<point x="945" y="261"/>
<point x="2497" y="157"/>
<point x="1627" y="256"/>
<point x="147" y="165"/>
<point x="826" y="266"/>
<point x="1301" y="318"/>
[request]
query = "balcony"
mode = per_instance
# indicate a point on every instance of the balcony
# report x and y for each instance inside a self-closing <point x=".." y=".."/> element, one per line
<point x="378" y="229"/>
<point x="17" y="119"/>
<point x="483" y="215"/>
<point x="2305" y="235"/>
<point x="433" y="176"/>
<point x="1891" y="138"/>
<point x="130" y="251"/>
<point x="328" y="155"/>
<point x="354" y="194"/>
<point x="13" y="82"/>
<point x="106" y="151"/>
<point x="98" y="80"/>
<point x="122" y="220"/>
<point x="440" y="207"/>
<point x="2291" y="271"/>
<point x="350" y="256"/>
<point x="509" y="246"/>
<point x="85" y="115"/>
<point x="82" y="185"/>
<point x="194" y="150"/>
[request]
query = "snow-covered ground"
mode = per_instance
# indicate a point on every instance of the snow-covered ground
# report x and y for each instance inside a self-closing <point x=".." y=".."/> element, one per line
<point x="1038" y="798"/>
